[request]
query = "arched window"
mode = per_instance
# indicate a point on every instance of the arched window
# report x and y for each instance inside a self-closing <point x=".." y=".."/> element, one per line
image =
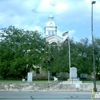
<point x="54" y="44"/>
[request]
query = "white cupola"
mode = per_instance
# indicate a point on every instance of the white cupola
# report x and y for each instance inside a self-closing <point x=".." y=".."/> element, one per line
<point x="50" y="28"/>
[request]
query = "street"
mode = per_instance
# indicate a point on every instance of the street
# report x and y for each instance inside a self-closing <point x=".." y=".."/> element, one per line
<point x="46" y="95"/>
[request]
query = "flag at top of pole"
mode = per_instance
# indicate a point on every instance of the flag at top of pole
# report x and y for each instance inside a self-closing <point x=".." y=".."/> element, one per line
<point x="65" y="33"/>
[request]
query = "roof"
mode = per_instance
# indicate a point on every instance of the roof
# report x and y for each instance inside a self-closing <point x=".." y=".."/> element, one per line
<point x="51" y="22"/>
<point x="54" y="36"/>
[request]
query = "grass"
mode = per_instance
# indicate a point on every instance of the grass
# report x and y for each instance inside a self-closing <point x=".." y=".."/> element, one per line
<point x="34" y="80"/>
<point x="20" y="80"/>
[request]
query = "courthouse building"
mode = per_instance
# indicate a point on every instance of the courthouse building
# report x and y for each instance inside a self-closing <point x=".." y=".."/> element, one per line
<point x="50" y="32"/>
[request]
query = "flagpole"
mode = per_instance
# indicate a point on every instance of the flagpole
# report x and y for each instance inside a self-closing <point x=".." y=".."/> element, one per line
<point x="64" y="34"/>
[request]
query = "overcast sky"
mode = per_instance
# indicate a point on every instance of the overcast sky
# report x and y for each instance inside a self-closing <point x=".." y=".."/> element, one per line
<point x="69" y="15"/>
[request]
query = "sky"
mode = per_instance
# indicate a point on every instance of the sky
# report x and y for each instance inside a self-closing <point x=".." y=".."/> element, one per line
<point x="69" y="15"/>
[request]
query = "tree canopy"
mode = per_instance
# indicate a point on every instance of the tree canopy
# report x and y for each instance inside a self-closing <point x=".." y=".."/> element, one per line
<point x="21" y="50"/>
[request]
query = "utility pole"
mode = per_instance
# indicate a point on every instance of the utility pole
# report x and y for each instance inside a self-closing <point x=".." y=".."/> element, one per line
<point x="94" y="67"/>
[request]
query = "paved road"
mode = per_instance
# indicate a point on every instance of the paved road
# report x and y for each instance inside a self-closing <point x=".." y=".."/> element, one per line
<point x="30" y="95"/>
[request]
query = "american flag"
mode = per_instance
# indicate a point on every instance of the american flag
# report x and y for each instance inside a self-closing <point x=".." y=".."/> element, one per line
<point x="66" y="40"/>
<point x="65" y="33"/>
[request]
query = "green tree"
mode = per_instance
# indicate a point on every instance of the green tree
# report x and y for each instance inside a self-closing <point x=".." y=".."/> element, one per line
<point x="84" y="56"/>
<point x="97" y="57"/>
<point x="20" y="51"/>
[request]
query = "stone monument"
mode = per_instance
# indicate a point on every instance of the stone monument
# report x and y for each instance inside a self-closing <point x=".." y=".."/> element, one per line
<point x="73" y="76"/>
<point x="29" y="77"/>
<point x="73" y="73"/>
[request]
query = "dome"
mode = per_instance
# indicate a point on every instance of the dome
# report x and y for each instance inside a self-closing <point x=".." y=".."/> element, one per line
<point x="51" y="22"/>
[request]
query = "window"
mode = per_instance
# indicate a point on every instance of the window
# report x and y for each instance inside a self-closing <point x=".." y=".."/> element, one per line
<point x="54" y="44"/>
<point x="52" y="32"/>
<point x="37" y="70"/>
<point x="49" y="32"/>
